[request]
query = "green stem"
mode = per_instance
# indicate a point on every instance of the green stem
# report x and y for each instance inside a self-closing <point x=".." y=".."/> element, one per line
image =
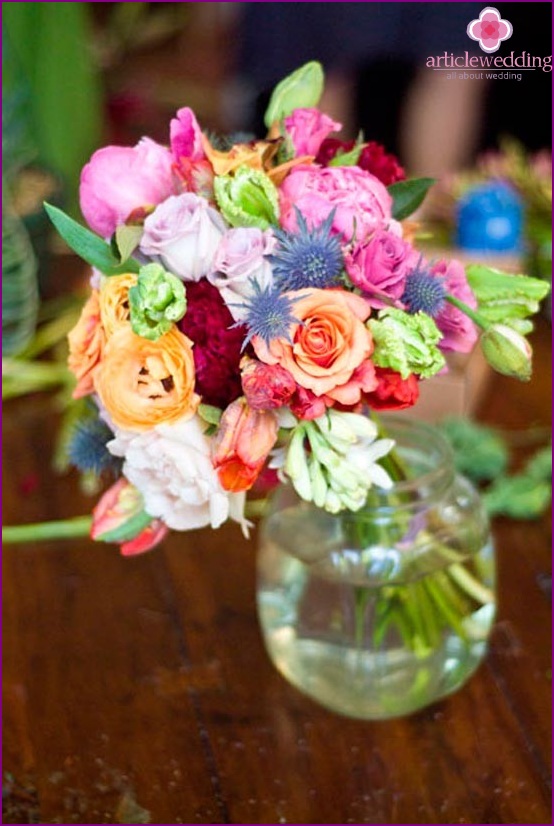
<point x="470" y="585"/>
<point x="62" y="529"/>
<point x="477" y="318"/>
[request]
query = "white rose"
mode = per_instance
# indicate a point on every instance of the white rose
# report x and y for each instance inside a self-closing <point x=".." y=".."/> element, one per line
<point x="171" y="466"/>
<point x="184" y="233"/>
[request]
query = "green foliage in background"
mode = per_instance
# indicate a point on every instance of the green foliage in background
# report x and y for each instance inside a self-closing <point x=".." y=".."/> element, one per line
<point x="482" y="454"/>
<point x="50" y="46"/>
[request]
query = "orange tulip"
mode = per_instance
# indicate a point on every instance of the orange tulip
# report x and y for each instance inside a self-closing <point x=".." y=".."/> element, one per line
<point x="242" y="444"/>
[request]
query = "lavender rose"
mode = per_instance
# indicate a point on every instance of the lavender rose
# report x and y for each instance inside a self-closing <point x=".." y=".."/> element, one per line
<point x="238" y="262"/>
<point x="184" y="232"/>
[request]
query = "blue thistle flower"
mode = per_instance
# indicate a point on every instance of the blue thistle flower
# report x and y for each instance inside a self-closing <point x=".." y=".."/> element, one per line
<point x="87" y="449"/>
<point x="311" y="258"/>
<point x="269" y="314"/>
<point x="423" y="292"/>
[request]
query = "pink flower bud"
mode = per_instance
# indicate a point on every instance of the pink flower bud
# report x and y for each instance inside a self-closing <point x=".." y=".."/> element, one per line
<point x="120" y="517"/>
<point x="266" y="386"/>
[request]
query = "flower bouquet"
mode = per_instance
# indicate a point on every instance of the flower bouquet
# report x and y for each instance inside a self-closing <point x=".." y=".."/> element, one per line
<point x="254" y="306"/>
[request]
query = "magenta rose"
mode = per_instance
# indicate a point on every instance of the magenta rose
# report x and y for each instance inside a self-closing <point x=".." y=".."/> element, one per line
<point x="361" y="202"/>
<point x="458" y="331"/>
<point x="119" y="179"/>
<point x="184" y="232"/>
<point x="308" y="128"/>
<point x="379" y="266"/>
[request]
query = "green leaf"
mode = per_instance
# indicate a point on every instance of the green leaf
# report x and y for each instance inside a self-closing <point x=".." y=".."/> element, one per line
<point x="127" y="239"/>
<point x="347" y="158"/>
<point x="210" y="414"/>
<point x="480" y="452"/>
<point x="519" y="496"/>
<point x="92" y="249"/>
<point x="299" y="90"/>
<point x="408" y="195"/>
<point x="505" y="297"/>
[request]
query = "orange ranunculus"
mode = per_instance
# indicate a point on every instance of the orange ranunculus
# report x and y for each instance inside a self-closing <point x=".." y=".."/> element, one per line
<point x="114" y="301"/>
<point x="257" y="155"/>
<point x="86" y="341"/>
<point x="327" y="346"/>
<point x="242" y="443"/>
<point x="143" y="383"/>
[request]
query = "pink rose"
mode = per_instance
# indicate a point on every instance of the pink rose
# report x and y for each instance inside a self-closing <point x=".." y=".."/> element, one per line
<point x="119" y="179"/>
<point x="308" y="128"/>
<point x="458" y="330"/>
<point x="185" y="233"/>
<point x="186" y="136"/>
<point x="361" y="202"/>
<point x="379" y="266"/>
<point x="238" y="261"/>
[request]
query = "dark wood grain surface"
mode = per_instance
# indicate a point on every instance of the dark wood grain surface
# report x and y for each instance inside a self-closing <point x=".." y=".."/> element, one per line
<point x="138" y="690"/>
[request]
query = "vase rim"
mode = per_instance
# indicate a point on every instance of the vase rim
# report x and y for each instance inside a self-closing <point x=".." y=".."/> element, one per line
<point x="427" y="484"/>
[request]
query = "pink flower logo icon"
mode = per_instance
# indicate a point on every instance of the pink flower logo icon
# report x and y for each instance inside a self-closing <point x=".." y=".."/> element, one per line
<point x="490" y="29"/>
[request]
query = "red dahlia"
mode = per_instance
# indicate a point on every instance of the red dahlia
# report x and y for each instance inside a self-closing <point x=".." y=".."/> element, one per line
<point x="208" y="323"/>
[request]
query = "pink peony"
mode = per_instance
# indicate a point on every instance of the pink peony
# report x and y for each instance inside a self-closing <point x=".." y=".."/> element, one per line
<point x="184" y="232"/>
<point x="308" y="128"/>
<point x="361" y="202"/>
<point x="119" y="179"/>
<point x="458" y="330"/>
<point x="379" y="266"/>
<point x="217" y="345"/>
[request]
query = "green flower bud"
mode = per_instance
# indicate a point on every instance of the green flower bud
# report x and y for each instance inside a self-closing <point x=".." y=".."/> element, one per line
<point x="406" y="343"/>
<point x="507" y="351"/>
<point x="156" y="302"/>
<point x="299" y="90"/>
<point x="248" y="198"/>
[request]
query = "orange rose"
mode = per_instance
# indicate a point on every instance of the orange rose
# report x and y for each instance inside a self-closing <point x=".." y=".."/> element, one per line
<point x="143" y="383"/>
<point x="328" y="345"/>
<point x="86" y="342"/>
<point x="114" y="301"/>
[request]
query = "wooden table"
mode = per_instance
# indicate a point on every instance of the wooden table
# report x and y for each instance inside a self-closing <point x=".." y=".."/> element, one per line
<point x="138" y="690"/>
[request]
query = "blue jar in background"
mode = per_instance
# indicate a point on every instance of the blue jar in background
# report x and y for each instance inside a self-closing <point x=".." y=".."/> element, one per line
<point x="489" y="218"/>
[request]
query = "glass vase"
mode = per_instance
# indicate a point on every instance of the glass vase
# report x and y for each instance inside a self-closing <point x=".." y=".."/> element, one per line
<point x="378" y="613"/>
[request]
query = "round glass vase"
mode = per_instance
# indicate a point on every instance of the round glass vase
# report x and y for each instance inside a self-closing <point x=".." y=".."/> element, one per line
<point x="378" y="613"/>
